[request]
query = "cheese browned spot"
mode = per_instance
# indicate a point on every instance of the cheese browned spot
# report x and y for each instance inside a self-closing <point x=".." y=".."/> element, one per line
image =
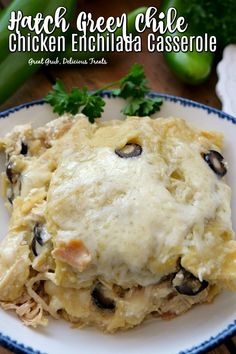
<point x="73" y="253"/>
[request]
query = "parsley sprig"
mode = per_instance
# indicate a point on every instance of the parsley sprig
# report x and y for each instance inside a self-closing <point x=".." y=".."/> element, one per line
<point x="78" y="100"/>
<point x="131" y="87"/>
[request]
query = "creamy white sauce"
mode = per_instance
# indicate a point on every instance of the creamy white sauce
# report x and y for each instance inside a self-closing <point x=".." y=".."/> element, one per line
<point x="123" y="210"/>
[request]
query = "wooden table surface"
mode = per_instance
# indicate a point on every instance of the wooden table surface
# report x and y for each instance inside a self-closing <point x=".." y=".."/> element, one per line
<point x="94" y="76"/>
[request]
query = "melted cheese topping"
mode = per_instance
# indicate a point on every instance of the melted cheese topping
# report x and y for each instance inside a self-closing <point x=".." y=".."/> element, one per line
<point x="138" y="216"/>
<point x="123" y="221"/>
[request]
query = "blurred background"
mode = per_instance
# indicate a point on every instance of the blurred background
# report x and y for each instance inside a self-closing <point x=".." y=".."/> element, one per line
<point x="160" y="77"/>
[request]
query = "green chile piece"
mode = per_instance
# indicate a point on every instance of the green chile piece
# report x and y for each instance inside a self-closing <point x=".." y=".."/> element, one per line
<point x="190" y="67"/>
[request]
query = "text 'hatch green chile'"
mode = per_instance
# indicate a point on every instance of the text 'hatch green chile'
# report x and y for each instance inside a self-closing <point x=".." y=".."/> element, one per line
<point x="191" y="67"/>
<point x="82" y="55"/>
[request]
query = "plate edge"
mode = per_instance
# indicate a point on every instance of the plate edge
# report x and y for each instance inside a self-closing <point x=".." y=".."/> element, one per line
<point x="108" y="93"/>
<point x="212" y="342"/>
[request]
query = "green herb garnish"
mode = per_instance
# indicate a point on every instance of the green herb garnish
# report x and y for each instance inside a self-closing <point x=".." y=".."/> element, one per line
<point x="132" y="88"/>
<point x="133" y="84"/>
<point x="75" y="101"/>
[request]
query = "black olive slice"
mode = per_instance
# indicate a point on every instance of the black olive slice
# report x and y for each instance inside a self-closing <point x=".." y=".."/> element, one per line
<point x="215" y="161"/>
<point x="37" y="239"/>
<point x="129" y="150"/>
<point x="10" y="200"/>
<point x="187" y="284"/>
<point x="10" y="195"/>
<point x="9" y="172"/>
<point x="24" y="149"/>
<point x="12" y="177"/>
<point x="101" y="300"/>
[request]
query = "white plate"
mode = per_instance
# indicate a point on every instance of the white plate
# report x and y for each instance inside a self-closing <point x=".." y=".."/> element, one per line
<point x="201" y="328"/>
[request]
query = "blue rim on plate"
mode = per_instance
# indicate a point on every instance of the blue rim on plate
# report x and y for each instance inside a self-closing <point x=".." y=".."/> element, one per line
<point x="212" y="342"/>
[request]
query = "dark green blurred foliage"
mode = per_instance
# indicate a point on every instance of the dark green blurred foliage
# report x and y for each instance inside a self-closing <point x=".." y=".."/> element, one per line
<point x="216" y="17"/>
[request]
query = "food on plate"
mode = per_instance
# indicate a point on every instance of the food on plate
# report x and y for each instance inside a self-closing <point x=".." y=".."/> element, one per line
<point x="114" y="222"/>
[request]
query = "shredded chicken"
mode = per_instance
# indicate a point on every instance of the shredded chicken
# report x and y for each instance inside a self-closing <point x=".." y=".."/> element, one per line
<point x="28" y="310"/>
<point x="73" y="253"/>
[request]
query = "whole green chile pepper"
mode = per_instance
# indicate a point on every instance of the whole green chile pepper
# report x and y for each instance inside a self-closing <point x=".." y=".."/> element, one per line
<point x="191" y="67"/>
<point x="14" y="67"/>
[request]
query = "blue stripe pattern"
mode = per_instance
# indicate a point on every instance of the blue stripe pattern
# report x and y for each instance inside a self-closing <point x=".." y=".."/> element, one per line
<point x="212" y="342"/>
